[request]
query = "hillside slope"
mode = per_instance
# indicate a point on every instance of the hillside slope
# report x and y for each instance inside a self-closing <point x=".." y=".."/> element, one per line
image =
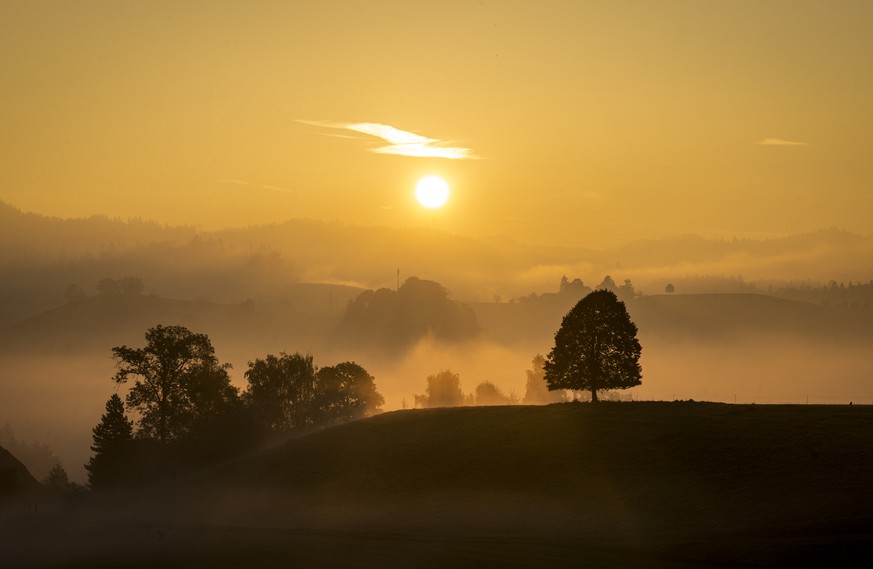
<point x="612" y="485"/>
<point x="17" y="485"/>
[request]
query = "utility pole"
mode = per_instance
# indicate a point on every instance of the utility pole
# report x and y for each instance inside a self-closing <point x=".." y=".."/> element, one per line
<point x="398" y="279"/>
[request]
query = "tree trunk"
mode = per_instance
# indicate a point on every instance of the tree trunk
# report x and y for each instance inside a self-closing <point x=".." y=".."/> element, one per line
<point x="594" y="396"/>
<point x="163" y="425"/>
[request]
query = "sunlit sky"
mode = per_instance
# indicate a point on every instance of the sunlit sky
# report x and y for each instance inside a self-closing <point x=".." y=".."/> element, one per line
<point x="553" y="122"/>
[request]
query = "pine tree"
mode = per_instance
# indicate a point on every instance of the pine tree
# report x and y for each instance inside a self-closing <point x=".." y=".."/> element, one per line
<point x="112" y="438"/>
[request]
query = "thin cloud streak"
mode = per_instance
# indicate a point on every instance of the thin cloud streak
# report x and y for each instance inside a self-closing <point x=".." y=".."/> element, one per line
<point x="780" y="142"/>
<point x="401" y="142"/>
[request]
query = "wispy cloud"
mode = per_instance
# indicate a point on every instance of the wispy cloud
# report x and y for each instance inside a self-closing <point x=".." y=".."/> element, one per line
<point x="401" y="142"/>
<point x="780" y="142"/>
<point x="261" y="186"/>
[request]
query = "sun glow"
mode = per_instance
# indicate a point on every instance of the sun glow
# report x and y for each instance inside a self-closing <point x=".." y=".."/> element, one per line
<point x="432" y="192"/>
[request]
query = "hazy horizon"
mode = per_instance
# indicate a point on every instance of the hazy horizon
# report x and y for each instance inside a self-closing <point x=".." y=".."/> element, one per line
<point x="580" y="123"/>
<point x="259" y="290"/>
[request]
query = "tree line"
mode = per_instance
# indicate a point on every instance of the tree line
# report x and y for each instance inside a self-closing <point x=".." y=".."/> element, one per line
<point x="444" y="390"/>
<point x="186" y="412"/>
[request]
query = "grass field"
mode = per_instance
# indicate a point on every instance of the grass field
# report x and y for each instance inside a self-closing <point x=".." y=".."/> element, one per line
<point x="608" y="485"/>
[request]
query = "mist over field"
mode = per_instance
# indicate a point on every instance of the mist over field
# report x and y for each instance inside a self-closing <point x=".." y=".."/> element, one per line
<point x="784" y="320"/>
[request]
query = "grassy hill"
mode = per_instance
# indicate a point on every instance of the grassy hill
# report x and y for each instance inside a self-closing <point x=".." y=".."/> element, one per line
<point x="611" y="485"/>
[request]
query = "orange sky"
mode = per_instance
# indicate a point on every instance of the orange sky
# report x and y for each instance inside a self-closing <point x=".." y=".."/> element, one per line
<point x="585" y="122"/>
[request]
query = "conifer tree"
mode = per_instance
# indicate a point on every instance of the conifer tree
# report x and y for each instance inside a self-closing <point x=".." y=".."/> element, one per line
<point x="112" y="438"/>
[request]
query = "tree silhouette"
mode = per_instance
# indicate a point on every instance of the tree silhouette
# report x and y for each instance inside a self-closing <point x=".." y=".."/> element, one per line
<point x="443" y="390"/>
<point x="626" y="291"/>
<point x="290" y="392"/>
<point x="281" y="391"/>
<point x="178" y="379"/>
<point x="346" y="392"/>
<point x="607" y="284"/>
<point x="489" y="394"/>
<point x="57" y="478"/>
<point x="536" y="390"/>
<point x="394" y="320"/>
<point x="596" y="347"/>
<point x="112" y="437"/>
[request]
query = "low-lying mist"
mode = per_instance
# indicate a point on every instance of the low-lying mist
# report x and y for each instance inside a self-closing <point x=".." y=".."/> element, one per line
<point x="480" y="308"/>
<point x="57" y="400"/>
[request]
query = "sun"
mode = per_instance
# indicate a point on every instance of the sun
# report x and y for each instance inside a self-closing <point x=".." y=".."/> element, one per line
<point x="432" y="192"/>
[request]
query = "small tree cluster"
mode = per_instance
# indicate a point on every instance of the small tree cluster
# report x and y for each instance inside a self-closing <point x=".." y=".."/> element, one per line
<point x="187" y="412"/>
<point x="393" y="321"/>
<point x="444" y="390"/>
<point x="489" y="394"/>
<point x="290" y="392"/>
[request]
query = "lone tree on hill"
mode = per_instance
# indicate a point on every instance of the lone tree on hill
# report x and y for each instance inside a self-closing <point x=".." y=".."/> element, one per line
<point x="596" y="347"/>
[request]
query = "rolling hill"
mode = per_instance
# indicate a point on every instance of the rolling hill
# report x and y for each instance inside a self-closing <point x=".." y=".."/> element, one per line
<point x="98" y="322"/>
<point x="698" y="317"/>
<point x="611" y="485"/>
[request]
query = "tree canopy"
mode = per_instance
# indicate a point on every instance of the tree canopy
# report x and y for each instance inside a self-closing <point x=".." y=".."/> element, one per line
<point x="596" y="347"/>
<point x="178" y="381"/>
<point x="346" y="392"/>
<point x="281" y="390"/>
<point x="489" y="394"/>
<point x="290" y="392"/>
<point x="394" y="321"/>
<point x="443" y="390"/>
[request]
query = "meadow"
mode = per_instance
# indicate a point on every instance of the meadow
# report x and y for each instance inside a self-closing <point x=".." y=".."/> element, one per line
<point x="643" y="484"/>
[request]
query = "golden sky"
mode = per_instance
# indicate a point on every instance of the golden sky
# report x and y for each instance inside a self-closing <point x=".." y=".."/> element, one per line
<point x="586" y="122"/>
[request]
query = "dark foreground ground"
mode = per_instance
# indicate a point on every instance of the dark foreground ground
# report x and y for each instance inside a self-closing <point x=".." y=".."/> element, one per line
<point x="571" y="485"/>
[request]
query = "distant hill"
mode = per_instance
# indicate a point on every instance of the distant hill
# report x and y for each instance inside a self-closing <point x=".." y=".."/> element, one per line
<point x="697" y="317"/>
<point x="316" y="310"/>
<point x="41" y="256"/>
<point x="738" y="316"/>
<point x="103" y="321"/>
